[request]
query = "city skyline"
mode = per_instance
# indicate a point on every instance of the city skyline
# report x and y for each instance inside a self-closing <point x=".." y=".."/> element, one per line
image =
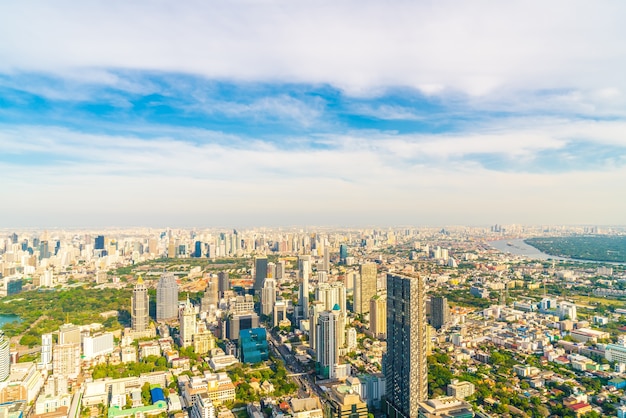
<point x="248" y="114"/>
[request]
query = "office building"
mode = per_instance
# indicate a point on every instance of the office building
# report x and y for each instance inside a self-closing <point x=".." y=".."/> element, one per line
<point x="260" y="273"/>
<point x="99" y="243"/>
<point x="440" y="312"/>
<point x="343" y="253"/>
<point x="406" y="370"/>
<point x="239" y="322"/>
<point x="253" y="346"/>
<point x="140" y="307"/>
<point x="167" y="298"/>
<point x="280" y="312"/>
<point x="5" y="357"/>
<point x="364" y="288"/>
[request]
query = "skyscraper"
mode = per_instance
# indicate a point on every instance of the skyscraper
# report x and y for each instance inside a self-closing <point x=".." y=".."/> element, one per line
<point x="167" y="298"/>
<point x="364" y="288"/>
<point x="211" y="296"/>
<point x="5" y="358"/>
<point x="343" y="253"/>
<point x="46" y="349"/>
<point x="440" y="312"/>
<point x="406" y="370"/>
<point x="260" y="273"/>
<point x="327" y="347"/>
<point x="140" y="307"/>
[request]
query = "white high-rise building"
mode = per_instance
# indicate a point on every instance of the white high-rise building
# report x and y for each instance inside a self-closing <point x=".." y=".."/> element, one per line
<point x="98" y="345"/>
<point x="187" y="319"/>
<point x="46" y="349"/>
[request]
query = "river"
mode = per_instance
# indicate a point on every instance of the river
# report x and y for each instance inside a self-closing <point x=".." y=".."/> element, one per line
<point x="519" y="247"/>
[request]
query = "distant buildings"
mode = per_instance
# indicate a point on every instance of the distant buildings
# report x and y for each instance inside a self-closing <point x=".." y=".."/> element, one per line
<point x="405" y="366"/>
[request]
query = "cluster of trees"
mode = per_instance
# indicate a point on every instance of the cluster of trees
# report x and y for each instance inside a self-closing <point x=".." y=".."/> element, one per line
<point x="116" y="371"/>
<point x="595" y="248"/>
<point x="276" y="374"/>
<point x="82" y="305"/>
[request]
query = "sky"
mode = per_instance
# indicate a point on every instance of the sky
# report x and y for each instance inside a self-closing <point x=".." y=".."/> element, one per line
<point x="338" y="113"/>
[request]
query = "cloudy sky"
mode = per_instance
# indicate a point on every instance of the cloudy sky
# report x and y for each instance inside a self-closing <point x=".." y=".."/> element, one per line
<point x="356" y="112"/>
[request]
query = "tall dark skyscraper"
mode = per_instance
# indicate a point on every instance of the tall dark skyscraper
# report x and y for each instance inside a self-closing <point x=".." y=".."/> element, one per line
<point x="406" y="370"/>
<point x="260" y="273"/>
<point x="197" y="253"/>
<point x="343" y="253"/>
<point x="440" y="312"/>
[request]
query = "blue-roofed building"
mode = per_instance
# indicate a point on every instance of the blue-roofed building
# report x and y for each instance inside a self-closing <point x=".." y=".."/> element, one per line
<point x="156" y="393"/>
<point x="253" y="347"/>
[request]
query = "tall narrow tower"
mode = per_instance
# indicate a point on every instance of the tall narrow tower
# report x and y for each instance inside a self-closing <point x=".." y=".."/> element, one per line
<point x="140" y="307"/>
<point x="303" y="297"/>
<point x="406" y="370"/>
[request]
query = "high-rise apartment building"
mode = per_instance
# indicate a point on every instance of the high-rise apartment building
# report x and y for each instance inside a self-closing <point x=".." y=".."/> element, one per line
<point x="140" y="306"/>
<point x="439" y="312"/>
<point x="364" y="288"/>
<point x="167" y="298"/>
<point x="406" y="370"/>
<point x="260" y="273"/>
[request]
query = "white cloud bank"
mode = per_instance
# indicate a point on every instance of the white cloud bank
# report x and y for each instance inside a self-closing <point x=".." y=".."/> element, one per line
<point x="90" y="180"/>
<point x="475" y="46"/>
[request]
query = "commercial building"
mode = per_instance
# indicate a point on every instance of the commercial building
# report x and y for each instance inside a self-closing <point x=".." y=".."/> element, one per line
<point x="260" y="273"/>
<point x="327" y="344"/>
<point x="440" y="312"/>
<point x="253" y="346"/>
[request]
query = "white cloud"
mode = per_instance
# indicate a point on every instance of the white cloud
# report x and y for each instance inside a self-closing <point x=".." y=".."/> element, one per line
<point x="477" y="47"/>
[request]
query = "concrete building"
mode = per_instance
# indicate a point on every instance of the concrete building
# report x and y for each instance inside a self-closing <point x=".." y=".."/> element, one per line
<point x="406" y="370"/>
<point x="327" y="344"/>
<point x="460" y="389"/>
<point x="5" y="358"/>
<point x="187" y="320"/>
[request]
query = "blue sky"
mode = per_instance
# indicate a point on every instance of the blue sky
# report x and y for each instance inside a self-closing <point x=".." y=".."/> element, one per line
<point x="245" y="113"/>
